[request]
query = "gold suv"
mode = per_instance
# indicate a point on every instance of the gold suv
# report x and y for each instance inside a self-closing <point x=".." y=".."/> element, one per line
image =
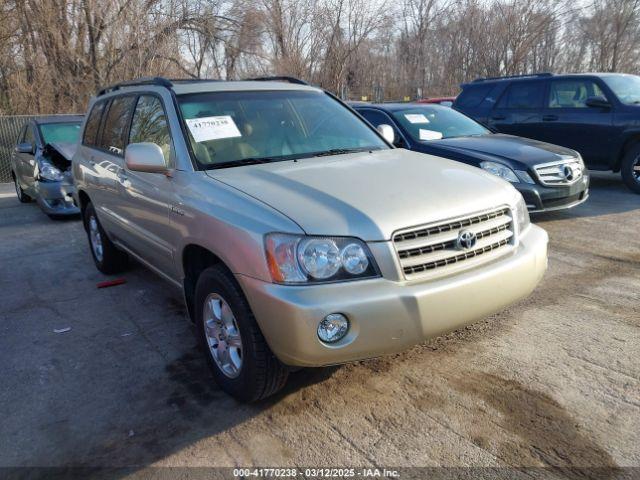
<point x="297" y="233"/>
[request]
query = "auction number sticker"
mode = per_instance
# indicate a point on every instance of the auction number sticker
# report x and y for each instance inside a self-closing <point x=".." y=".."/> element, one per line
<point x="429" y="134"/>
<point x="212" y="128"/>
<point x="416" y="118"/>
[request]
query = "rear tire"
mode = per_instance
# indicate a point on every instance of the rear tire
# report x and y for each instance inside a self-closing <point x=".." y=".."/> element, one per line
<point x="107" y="257"/>
<point x="22" y="197"/>
<point x="242" y="363"/>
<point x="630" y="169"/>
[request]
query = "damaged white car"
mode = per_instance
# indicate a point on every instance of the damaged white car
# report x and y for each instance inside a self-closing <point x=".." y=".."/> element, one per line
<point x="41" y="163"/>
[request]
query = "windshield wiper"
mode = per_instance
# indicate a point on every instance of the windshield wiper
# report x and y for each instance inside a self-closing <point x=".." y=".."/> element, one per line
<point x="342" y="151"/>
<point x="244" y="161"/>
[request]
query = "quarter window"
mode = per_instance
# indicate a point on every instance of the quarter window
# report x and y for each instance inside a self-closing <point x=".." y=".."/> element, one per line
<point x="522" y="95"/>
<point x="28" y="136"/>
<point x="572" y="93"/>
<point x="93" y="124"/>
<point x="150" y="125"/>
<point x="116" y="124"/>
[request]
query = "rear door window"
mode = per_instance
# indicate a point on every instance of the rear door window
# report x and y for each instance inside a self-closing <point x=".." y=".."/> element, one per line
<point x="93" y="124"/>
<point x="149" y="124"/>
<point x="116" y="124"/>
<point x="523" y="95"/>
<point x="572" y="93"/>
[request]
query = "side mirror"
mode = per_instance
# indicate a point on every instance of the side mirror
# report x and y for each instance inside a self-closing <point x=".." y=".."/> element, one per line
<point x="597" y="102"/>
<point x="25" y="147"/>
<point x="145" y="157"/>
<point x="387" y="132"/>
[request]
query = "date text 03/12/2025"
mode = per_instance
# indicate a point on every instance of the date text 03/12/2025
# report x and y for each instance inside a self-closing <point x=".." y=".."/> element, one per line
<point x="315" y="472"/>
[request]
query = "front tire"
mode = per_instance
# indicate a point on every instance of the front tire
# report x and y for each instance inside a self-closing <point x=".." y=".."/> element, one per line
<point x="107" y="257"/>
<point x="630" y="169"/>
<point x="243" y="364"/>
<point x="22" y="197"/>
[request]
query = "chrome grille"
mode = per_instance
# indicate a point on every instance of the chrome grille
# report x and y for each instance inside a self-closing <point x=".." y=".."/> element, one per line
<point x="428" y="248"/>
<point x="562" y="172"/>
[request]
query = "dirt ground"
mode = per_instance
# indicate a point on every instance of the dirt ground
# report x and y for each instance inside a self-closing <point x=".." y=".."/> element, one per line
<point x="551" y="381"/>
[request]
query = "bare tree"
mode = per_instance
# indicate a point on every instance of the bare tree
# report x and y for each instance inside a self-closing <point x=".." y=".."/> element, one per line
<point x="54" y="54"/>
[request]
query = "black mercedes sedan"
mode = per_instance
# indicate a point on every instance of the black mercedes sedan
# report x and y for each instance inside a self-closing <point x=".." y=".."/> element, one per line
<point x="548" y="176"/>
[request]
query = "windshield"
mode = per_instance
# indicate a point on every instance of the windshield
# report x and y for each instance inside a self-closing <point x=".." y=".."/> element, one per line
<point x="236" y="128"/>
<point x="426" y="123"/>
<point x="626" y="87"/>
<point x="60" y="132"/>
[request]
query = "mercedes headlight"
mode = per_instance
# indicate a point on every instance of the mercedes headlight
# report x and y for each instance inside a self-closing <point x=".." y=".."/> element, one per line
<point x="521" y="215"/>
<point x="500" y="170"/>
<point x="49" y="172"/>
<point x="310" y="259"/>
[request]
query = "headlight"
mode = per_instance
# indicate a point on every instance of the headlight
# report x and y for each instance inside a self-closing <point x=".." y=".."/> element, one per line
<point x="304" y="259"/>
<point x="525" y="177"/>
<point x="49" y="172"/>
<point x="500" y="170"/>
<point x="521" y="214"/>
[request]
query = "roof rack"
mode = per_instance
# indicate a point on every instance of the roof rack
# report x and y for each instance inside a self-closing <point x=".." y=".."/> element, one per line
<point x="160" y="81"/>
<point x="295" y="80"/>
<point x="168" y="83"/>
<point x="526" y="75"/>
<point x="194" y="80"/>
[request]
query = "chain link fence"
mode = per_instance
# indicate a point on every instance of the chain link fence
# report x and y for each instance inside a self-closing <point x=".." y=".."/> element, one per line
<point x="10" y="126"/>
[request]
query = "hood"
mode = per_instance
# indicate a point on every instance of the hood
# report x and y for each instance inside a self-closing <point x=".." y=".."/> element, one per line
<point x="59" y="154"/>
<point x="527" y="151"/>
<point x="67" y="150"/>
<point x="369" y="195"/>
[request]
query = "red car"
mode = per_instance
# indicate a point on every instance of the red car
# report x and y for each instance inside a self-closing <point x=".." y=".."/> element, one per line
<point x="445" y="101"/>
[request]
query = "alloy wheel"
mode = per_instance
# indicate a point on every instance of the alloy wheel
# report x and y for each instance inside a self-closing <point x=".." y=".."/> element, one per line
<point x="635" y="169"/>
<point x="222" y="335"/>
<point x="96" y="238"/>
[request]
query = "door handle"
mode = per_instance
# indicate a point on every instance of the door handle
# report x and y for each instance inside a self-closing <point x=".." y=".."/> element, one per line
<point x="549" y="118"/>
<point x="498" y="117"/>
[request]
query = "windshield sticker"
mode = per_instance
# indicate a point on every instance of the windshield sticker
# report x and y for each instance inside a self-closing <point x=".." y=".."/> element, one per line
<point x="212" y="128"/>
<point x="416" y="118"/>
<point x="430" y="134"/>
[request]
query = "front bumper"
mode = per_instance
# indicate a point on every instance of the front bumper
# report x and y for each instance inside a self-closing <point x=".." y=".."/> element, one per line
<point x="56" y="198"/>
<point x="545" y="199"/>
<point x="387" y="316"/>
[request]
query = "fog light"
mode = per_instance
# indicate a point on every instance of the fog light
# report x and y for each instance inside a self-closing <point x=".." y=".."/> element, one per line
<point x="333" y="327"/>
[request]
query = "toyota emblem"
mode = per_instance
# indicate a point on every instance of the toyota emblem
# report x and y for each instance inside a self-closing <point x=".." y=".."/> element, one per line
<point x="466" y="239"/>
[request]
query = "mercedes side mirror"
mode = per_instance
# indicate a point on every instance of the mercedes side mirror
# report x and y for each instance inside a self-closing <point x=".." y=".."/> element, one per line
<point x="25" y="147"/>
<point x="387" y="132"/>
<point x="597" y="102"/>
<point x="145" y="157"/>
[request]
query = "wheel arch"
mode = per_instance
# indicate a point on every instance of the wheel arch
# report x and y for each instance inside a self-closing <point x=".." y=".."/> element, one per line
<point x="195" y="259"/>
<point x="84" y="200"/>
<point x="630" y="141"/>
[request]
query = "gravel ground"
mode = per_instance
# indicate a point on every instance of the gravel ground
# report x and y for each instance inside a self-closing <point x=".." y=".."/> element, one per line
<point x="551" y="381"/>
